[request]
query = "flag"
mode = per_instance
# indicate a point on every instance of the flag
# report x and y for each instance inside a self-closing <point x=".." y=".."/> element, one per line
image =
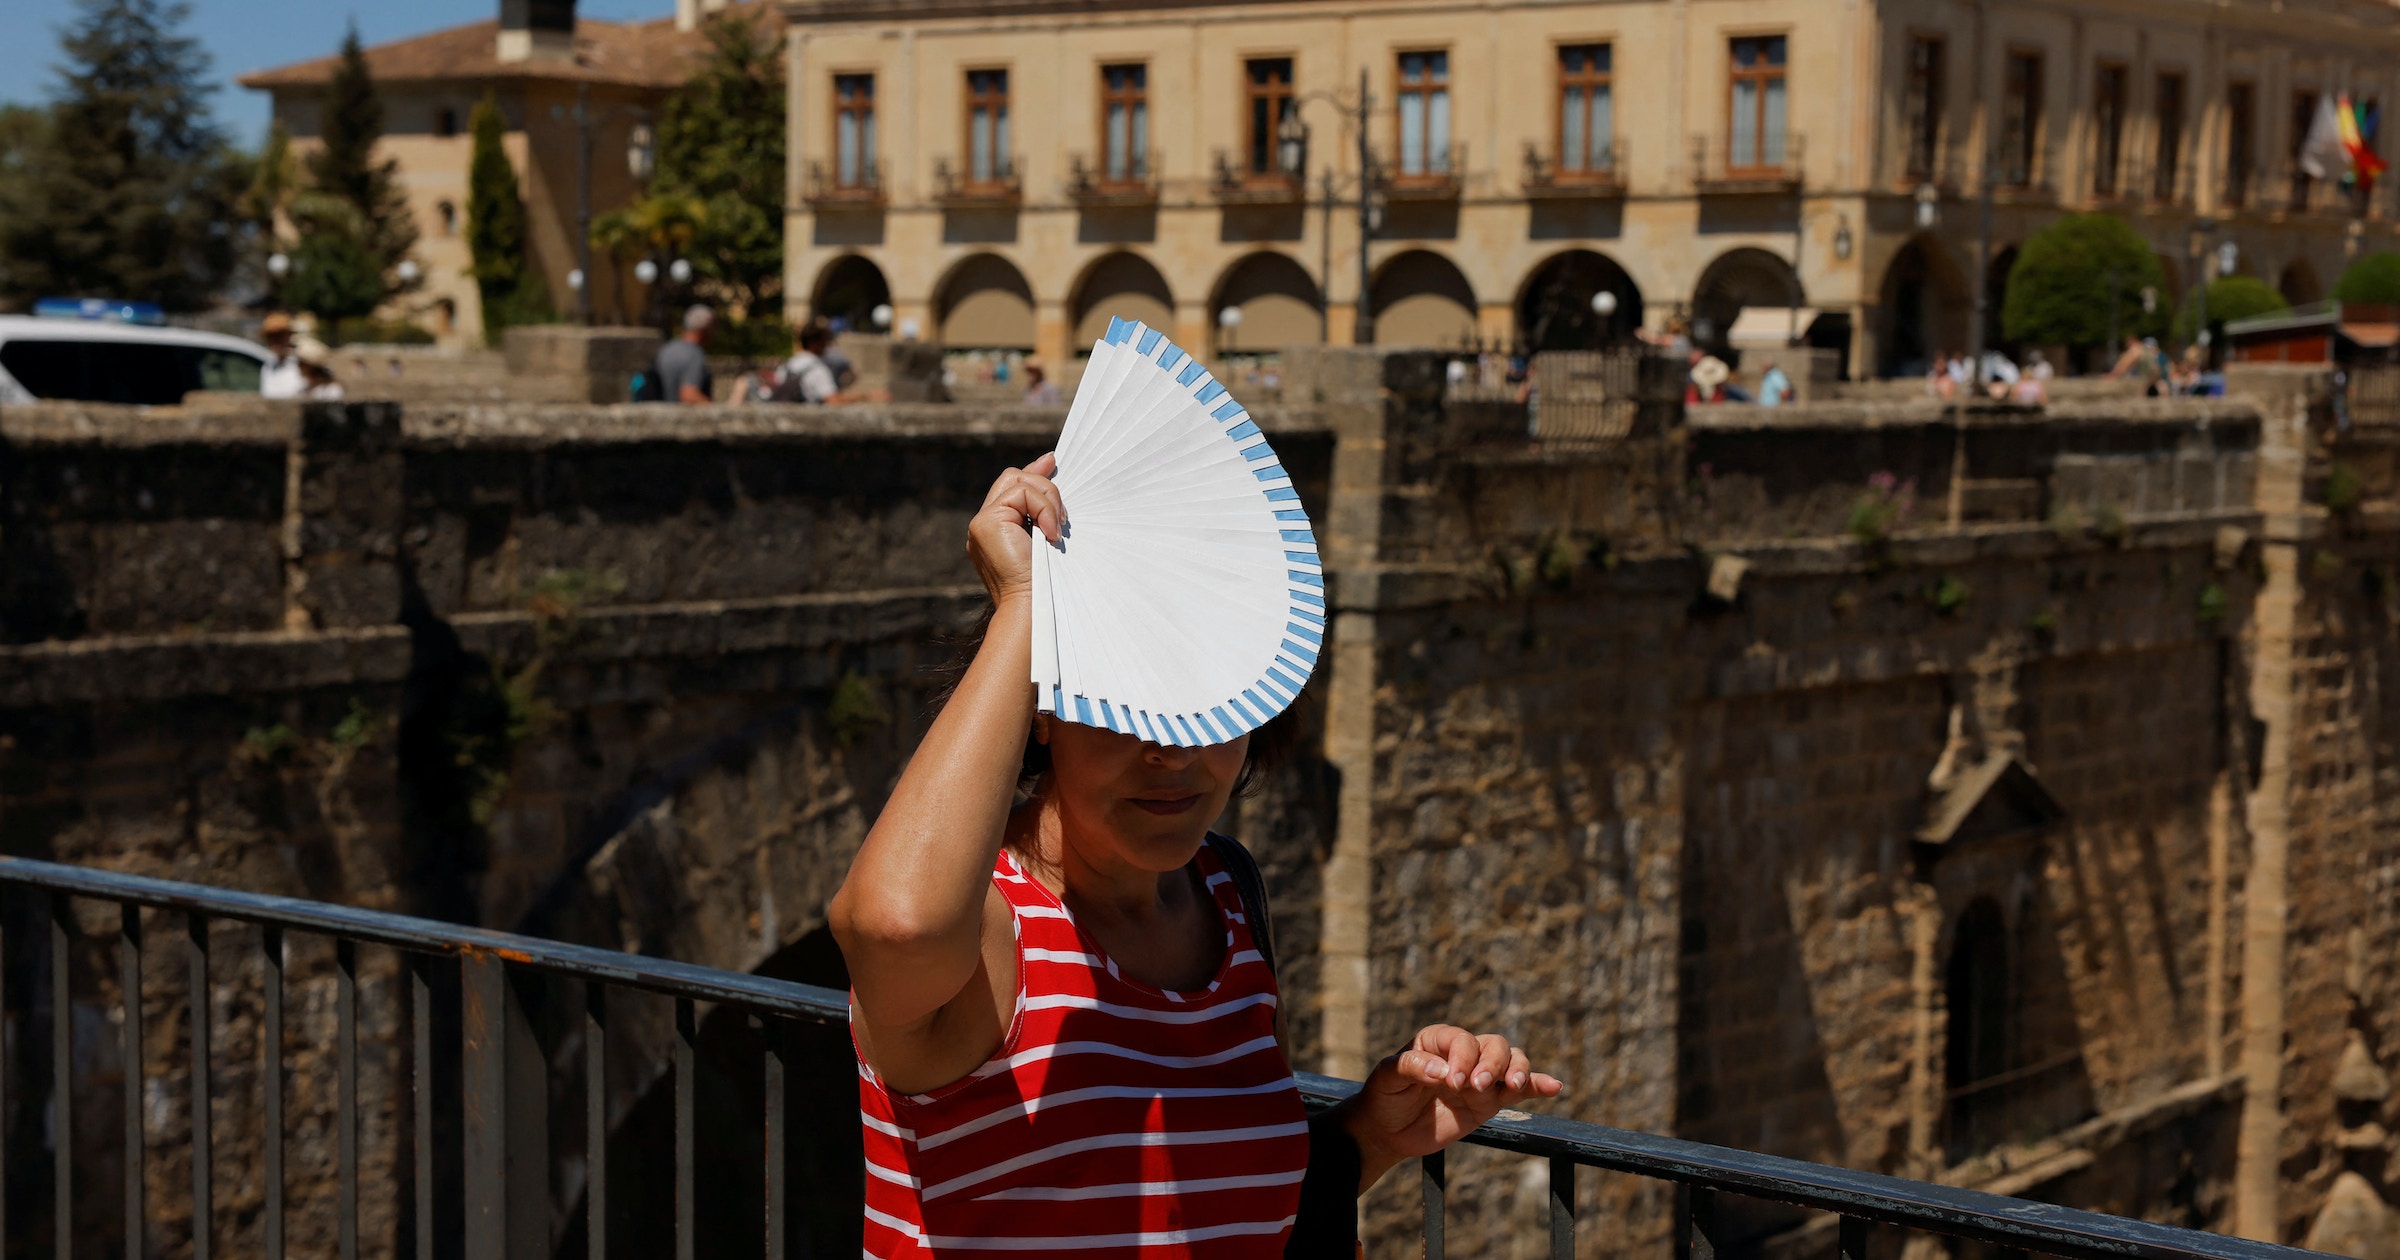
<point x="2322" y="155"/>
<point x="2358" y="142"/>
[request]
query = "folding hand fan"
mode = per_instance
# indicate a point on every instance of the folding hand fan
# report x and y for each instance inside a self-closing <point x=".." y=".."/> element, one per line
<point x="1185" y="604"/>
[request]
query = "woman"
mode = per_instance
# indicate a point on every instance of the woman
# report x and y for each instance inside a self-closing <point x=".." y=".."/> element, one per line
<point x="1065" y="1029"/>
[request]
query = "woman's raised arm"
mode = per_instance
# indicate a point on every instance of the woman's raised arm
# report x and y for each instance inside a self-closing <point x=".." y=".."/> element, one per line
<point x="911" y="914"/>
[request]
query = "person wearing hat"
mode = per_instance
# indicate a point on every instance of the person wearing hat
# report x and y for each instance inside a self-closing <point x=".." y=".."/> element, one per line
<point x="282" y="377"/>
<point x="316" y="370"/>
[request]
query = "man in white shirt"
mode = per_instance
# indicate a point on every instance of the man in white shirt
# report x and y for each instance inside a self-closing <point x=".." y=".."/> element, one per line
<point x="283" y="377"/>
<point x="806" y="377"/>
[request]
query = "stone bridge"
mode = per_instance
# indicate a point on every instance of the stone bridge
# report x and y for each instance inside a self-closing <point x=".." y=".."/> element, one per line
<point x="1910" y="788"/>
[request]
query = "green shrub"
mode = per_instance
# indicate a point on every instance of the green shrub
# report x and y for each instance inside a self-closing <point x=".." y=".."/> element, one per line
<point x="2070" y="274"/>
<point x="2343" y="490"/>
<point x="2230" y="298"/>
<point x="2374" y="278"/>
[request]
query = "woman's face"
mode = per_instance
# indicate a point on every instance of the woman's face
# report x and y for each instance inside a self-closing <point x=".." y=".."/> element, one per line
<point x="1149" y="804"/>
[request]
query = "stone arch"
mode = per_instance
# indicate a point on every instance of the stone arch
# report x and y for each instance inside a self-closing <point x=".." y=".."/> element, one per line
<point x="1421" y="298"/>
<point x="984" y="304"/>
<point x="1554" y="305"/>
<point x="2298" y="284"/>
<point x="1123" y="285"/>
<point x="1279" y="302"/>
<point x="1740" y="277"/>
<point x="1924" y="306"/>
<point x="847" y="292"/>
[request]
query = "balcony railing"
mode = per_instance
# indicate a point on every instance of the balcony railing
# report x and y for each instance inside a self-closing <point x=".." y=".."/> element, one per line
<point x="831" y="188"/>
<point x="962" y="186"/>
<point x="1546" y="177"/>
<point x="1423" y="174"/>
<point x="1763" y="164"/>
<point x="1236" y="182"/>
<point x="495" y="1060"/>
<point x="1132" y="182"/>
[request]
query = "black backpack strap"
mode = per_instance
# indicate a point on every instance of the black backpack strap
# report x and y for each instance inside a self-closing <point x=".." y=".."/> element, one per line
<point x="1252" y="888"/>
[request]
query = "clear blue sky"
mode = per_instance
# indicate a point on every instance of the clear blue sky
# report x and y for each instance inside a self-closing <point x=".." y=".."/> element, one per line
<point x="245" y="35"/>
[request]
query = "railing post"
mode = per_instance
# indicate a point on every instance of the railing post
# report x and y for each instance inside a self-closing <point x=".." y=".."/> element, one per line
<point x="1433" y="1180"/>
<point x="1562" y="1208"/>
<point x="595" y="1119"/>
<point x="1853" y="1239"/>
<point x="62" y="1081"/>
<point x="483" y="986"/>
<point x="506" y="1089"/>
<point x="686" y="1211"/>
<point x="271" y="998"/>
<point x="129" y="997"/>
<point x="774" y="1034"/>
<point x="1696" y="1228"/>
<point x="420" y="1001"/>
<point x="202" y="1019"/>
<point x="345" y="962"/>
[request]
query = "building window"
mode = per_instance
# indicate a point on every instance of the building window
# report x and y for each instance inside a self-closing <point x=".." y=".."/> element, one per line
<point x="2168" y="167"/>
<point x="2304" y="115"/>
<point x="1269" y="82"/>
<point x="987" y="127"/>
<point x="449" y="216"/>
<point x="2108" y="128"/>
<point x="445" y="122"/>
<point x="1424" y="114"/>
<point x="1924" y="109"/>
<point x="1755" y="140"/>
<point x="854" y="130"/>
<point x="2021" y="120"/>
<point x="1125" y="122"/>
<point x="1587" y="126"/>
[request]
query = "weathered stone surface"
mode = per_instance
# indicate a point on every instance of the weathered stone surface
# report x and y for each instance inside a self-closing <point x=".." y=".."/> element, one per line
<point x="641" y="676"/>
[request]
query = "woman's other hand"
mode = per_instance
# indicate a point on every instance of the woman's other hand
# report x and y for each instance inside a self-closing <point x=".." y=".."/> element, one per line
<point x="996" y="538"/>
<point x="1438" y="1090"/>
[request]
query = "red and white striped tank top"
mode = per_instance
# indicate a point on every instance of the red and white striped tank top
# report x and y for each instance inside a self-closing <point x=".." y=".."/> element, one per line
<point x="1116" y="1119"/>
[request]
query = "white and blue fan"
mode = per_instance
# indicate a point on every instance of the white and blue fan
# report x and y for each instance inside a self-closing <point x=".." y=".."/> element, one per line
<point x="1186" y="602"/>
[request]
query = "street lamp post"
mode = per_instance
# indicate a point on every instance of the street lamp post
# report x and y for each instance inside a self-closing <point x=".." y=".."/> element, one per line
<point x="1292" y="154"/>
<point x="639" y="159"/>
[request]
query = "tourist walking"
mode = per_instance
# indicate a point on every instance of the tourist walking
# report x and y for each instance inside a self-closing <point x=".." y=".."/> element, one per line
<point x="1060" y="990"/>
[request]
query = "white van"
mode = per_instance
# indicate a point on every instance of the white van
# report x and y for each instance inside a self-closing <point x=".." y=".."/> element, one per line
<point x="91" y="360"/>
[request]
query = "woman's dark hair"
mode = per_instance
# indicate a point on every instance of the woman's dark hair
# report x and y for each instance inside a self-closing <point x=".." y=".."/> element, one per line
<point x="1270" y="745"/>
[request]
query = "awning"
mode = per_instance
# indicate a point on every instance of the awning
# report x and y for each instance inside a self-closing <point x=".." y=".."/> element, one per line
<point x="1763" y="326"/>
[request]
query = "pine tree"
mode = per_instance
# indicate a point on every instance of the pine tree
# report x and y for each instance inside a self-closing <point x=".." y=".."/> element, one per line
<point x="513" y="289"/>
<point x="130" y="190"/>
<point x="345" y="165"/>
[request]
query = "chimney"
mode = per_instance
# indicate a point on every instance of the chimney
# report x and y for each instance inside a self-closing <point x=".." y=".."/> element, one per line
<point x="688" y="13"/>
<point x="537" y="30"/>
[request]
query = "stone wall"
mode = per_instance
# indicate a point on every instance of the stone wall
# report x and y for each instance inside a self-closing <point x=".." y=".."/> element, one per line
<point x="1687" y="759"/>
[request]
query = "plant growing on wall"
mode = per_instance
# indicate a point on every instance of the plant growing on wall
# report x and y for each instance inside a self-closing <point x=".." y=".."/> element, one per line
<point x="512" y="287"/>
<point x="2373" y="279"/>
<point x="2071" y="275"/>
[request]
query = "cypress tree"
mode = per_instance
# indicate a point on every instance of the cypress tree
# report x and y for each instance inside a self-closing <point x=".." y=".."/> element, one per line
<point x="345" y="166"/>
<point x="128" y="190"/>
<point x="512" y="289"/>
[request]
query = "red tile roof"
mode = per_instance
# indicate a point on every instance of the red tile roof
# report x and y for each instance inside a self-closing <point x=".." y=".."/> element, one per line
<point x="637" y="54"/>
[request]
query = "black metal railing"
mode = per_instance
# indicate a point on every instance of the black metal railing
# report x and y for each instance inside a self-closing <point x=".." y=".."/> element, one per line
<point x="1237" y="181"/>
<point x="992" y="182"/>
<point x="837" y="185"/>
<point x="487" y="960"/>
<point x="1600" y="174"/>
<point x="1122" y="178"/>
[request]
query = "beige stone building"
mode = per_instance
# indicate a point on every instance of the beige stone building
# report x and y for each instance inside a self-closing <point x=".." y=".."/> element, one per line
<point x="538" y="62"/>
<point x="1007" y="171"/>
